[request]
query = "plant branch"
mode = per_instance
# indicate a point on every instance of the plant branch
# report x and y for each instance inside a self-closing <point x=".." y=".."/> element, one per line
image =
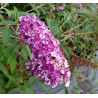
<point x="76" y="27"/>
<point x="36" y="8"/>
<point x="21" y="56"/>
<point x="77" y="34"/>
<point x="12" y="36"/>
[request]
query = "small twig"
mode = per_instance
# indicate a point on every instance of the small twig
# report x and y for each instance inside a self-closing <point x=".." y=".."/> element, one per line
<point x="12" y="29"/>
<point x="75" y="27"/>
<point x="36" y="8"/>
<point x="5" y="4"/>
<point x="9" y="24"/>
<point x="68" y="18"/>
<point x="77" y="34"/>
<point x="21" y="55"/>
<point x="12" y="36"/>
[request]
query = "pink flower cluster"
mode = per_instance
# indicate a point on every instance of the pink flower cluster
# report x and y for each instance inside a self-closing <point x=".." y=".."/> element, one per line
<point x="47" y="60"/>
<point x="79" y="6"/>
<point x="60" y="8"/>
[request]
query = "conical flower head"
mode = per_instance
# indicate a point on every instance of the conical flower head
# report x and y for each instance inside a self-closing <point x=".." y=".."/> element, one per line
<point x="47" y="61"/>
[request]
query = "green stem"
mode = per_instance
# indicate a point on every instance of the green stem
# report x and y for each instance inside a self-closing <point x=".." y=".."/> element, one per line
<point x="5" y="4"/>
<point x="12" y="36"/>
<point x="36" y="8"/>
<point x="76" y="26"/>
<point x="19" y="53"/>
<point x="9" y="24"/>
<point x="68" y="18"/>
<point x="78" y="34"/>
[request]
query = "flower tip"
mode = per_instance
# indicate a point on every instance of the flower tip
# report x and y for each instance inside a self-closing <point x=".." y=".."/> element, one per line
<point x="79" y="6"/>
<point x="60" y="8"/>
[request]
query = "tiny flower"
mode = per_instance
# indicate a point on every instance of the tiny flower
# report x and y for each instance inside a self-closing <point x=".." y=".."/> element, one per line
<point x="60" y="8"/>
<point x="52" y="8"/>
<point x="42" y="36"/>
<point x="67" y="84"/>
<point x="66" y="63"/>
<point x="62" y="71"/>
<point x="70" y="32"/>
<point x="79" y="6"/>
<point x="68" y="74"/>
<point x="53" y="54"/>
<point x="27" y="67"/>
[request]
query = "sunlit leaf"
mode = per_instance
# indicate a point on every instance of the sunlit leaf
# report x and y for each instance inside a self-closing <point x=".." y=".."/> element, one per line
<point x="54" y="27"/>
<point x="16" y="13"/>
<point x="5" y="36"/>
<point x="8" y="12"/>
<point x="7" y="22"/>
<point x="12" y="62"/>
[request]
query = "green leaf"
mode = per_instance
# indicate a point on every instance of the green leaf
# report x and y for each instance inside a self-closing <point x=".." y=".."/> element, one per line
<point x="32" y="80"/>
<point x="28" y="50"/>
<point x="24" y="53"/>
<point x="7" y="22"/>
<point x="1" y="53"/>
<point x="2" y="82"/>
<point x="5" y="36"/>
<point x="37" y="12"/>
<point x="12" y="62"/>
<point x="11" y="91"/>
<point x="10" y="50"/>
<point x="22" y="63"/>
<point x="54" y="27"/>
<point x="2" y="85"/>
<point x="3" y="5"/>
<point x="21" y="13"/>
<point x="13" y="48"/>
<point x="49" y="90"/>
<point x="7" y="52"/>
<point x="9" y="84"/>
<point x="27" y="88"/>
<point x="16" y="13"/>
<point x="8" y="12"/>
<point x="4" y="70"/>
<point x="42" y="84"/>
<point x="65" y="50"/>
<point x="1" y="17"/>
<point x="90" y="14"/>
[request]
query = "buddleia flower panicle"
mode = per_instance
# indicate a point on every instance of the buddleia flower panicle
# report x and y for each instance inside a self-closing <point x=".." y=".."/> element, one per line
<point x="47" y="61"/>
